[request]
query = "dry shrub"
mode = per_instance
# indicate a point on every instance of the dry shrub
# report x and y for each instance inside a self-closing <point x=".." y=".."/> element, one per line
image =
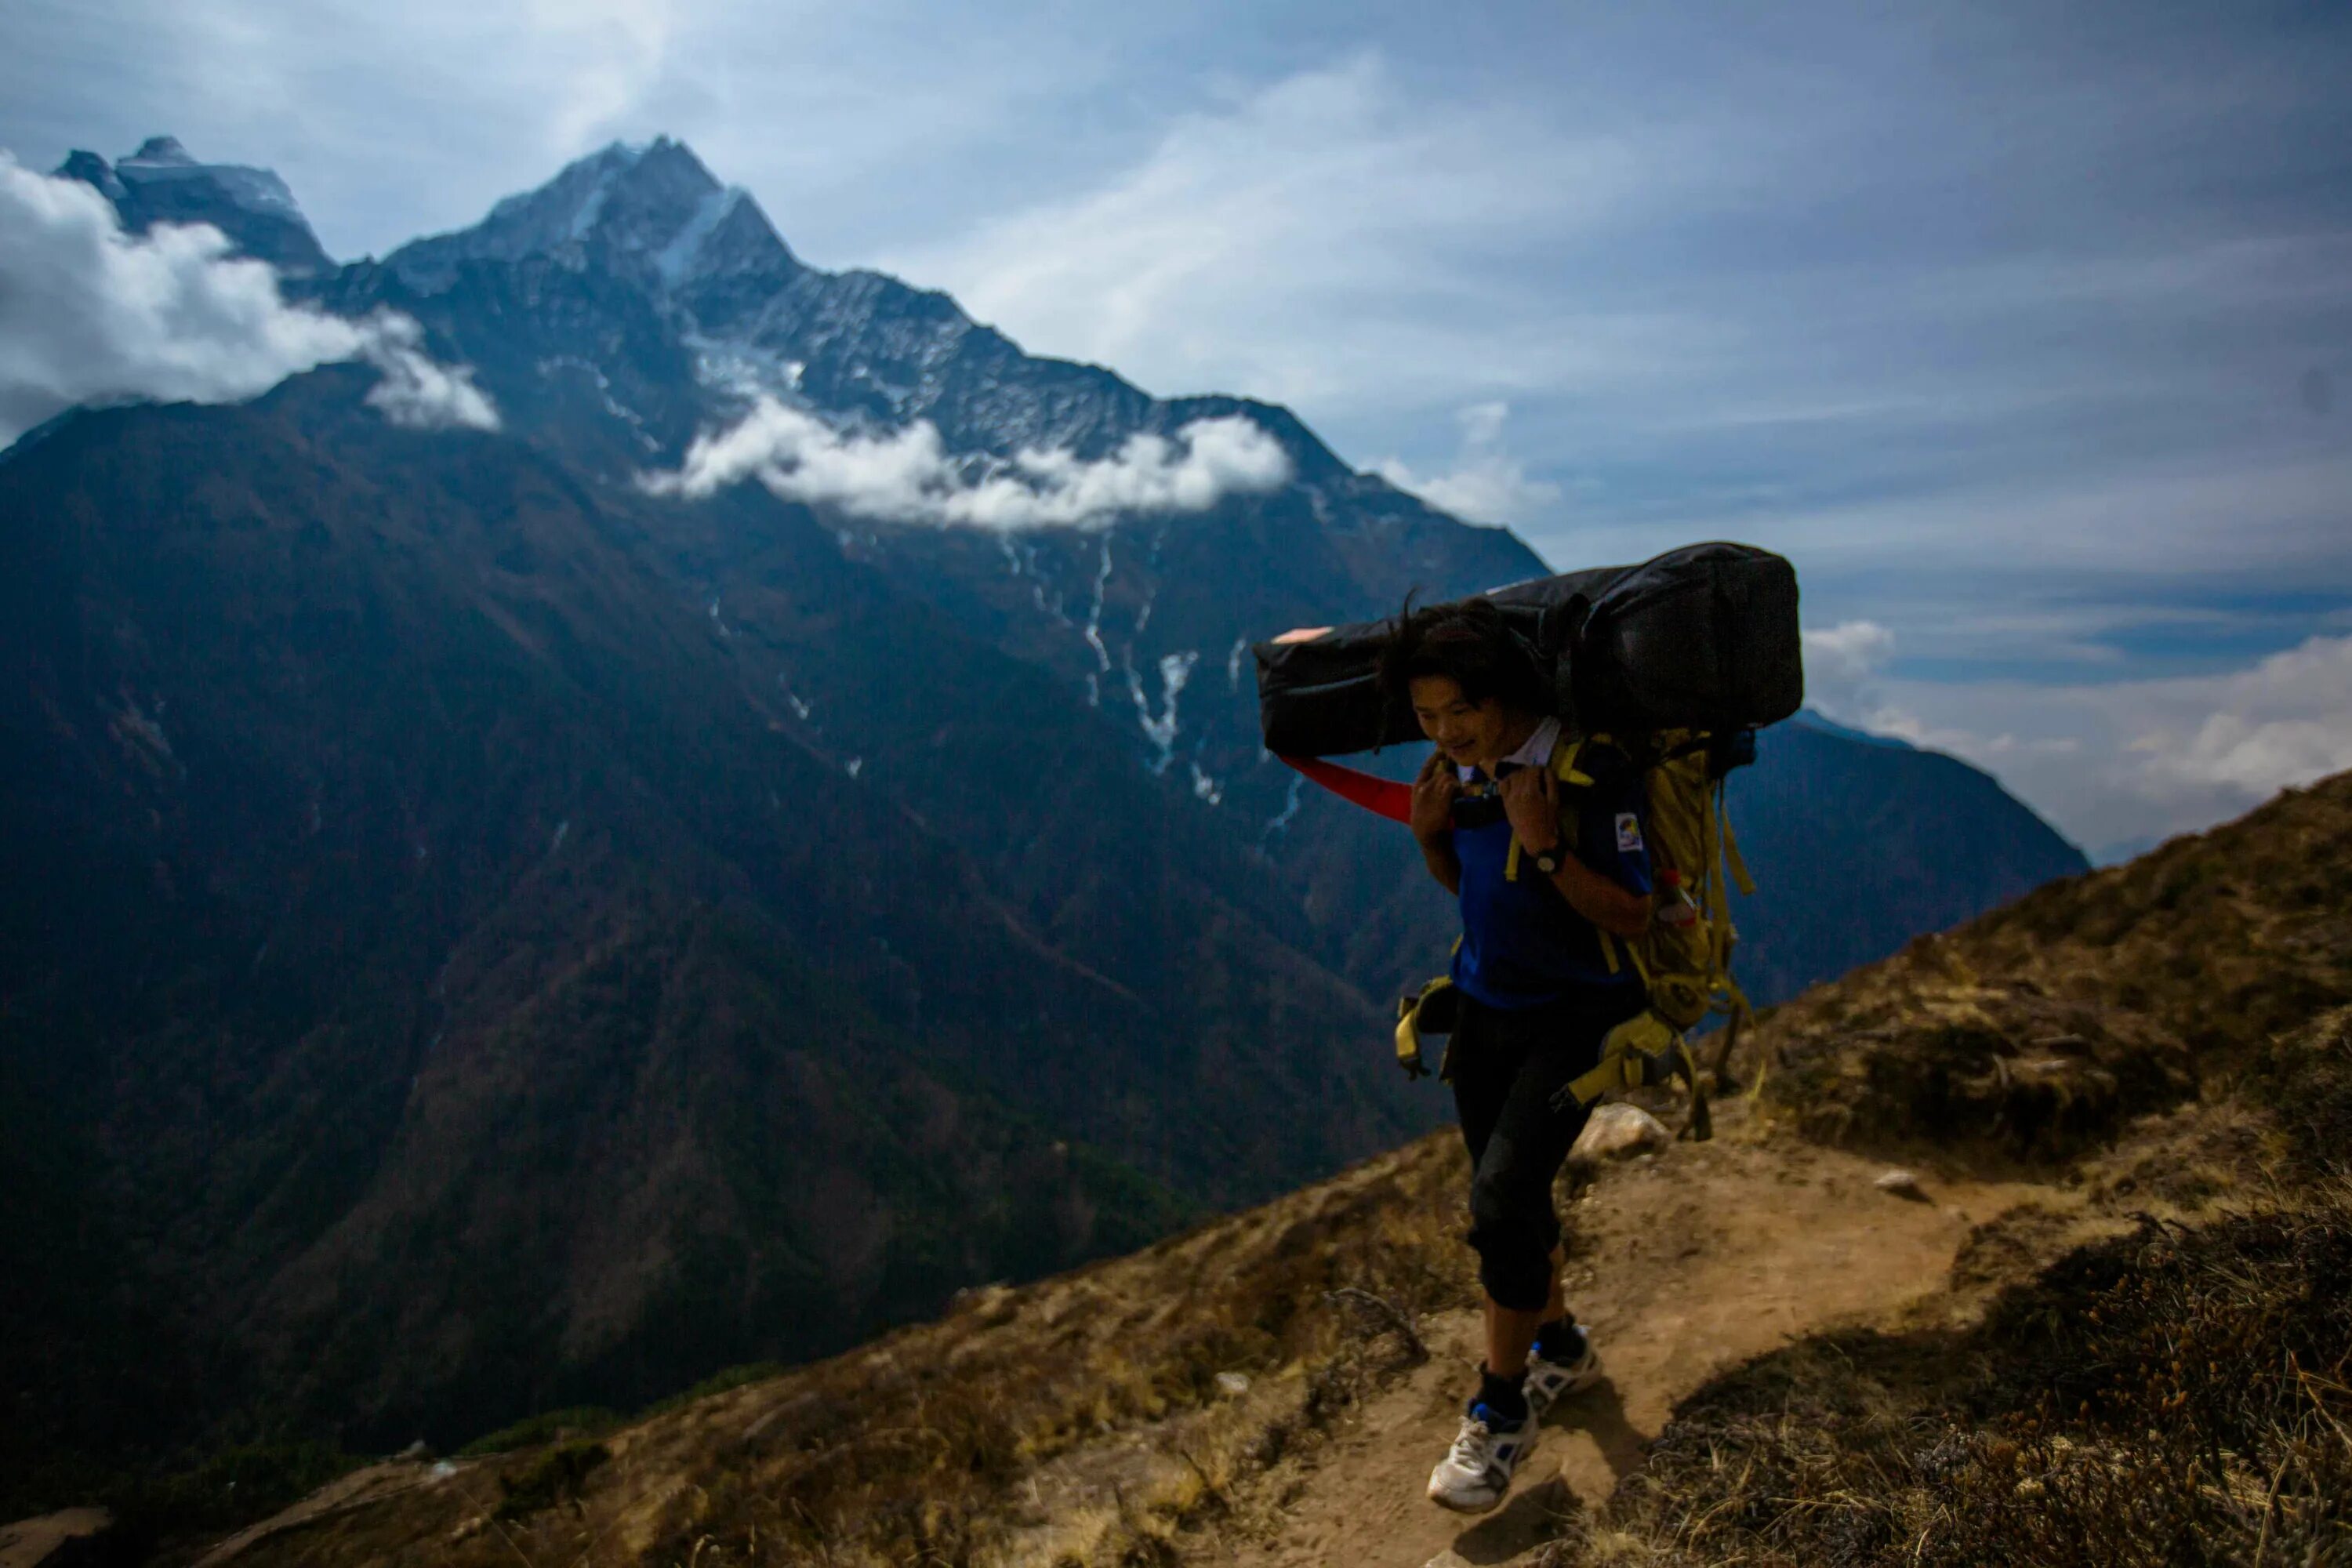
<point x="556" y="1475"/>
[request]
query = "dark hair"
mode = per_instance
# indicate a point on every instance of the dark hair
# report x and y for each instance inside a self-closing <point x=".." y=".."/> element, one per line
<point x="1469" y="643"/>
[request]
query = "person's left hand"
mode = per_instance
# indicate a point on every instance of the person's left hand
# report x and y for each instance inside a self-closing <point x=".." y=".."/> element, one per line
<point x="1531" y="800"/>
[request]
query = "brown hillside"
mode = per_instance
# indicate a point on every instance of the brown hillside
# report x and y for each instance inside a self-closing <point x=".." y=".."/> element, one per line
<point x="2045" y="1025"/>
<point x="1805" y="1368"/>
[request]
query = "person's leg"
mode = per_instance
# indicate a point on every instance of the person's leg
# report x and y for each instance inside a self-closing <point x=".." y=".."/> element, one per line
<point x="1510" y="1335"/>
<point x="1510" y="1208"/>
<point x="1510" y="1332"/>
<point x="1514" y="1226"/>
<point x="1480" y="1065"/>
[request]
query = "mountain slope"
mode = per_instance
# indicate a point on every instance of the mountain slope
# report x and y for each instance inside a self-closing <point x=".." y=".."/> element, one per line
<point x="1773" y="1320"/>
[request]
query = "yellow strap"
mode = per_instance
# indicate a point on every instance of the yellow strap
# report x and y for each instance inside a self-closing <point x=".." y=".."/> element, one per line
<point x="1563" y="761"/>
<point x="1629" y="1049"/>
<point x="1731" y="844"/>
<point x="1564" y="766"/>
<point x="1610" y="1075"/>
<point x="1408" y="1030"/>
<point x="1621" y="1061"/>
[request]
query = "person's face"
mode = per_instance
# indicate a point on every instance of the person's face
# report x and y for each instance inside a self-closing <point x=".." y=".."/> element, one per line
<point x="1468" y="732"/>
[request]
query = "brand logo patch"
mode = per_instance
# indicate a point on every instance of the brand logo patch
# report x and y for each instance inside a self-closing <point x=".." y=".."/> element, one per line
<point x="1629" y="833"/>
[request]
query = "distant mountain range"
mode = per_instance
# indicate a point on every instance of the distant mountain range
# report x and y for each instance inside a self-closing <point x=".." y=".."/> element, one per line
<point x="477" y="933"/>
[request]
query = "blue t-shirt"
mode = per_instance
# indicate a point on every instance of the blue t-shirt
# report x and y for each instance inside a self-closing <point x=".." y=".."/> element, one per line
<point x="1522" y="944"/>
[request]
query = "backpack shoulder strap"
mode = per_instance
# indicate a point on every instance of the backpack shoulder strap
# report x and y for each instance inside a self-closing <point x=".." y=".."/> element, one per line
<point x="1564" y="754"/>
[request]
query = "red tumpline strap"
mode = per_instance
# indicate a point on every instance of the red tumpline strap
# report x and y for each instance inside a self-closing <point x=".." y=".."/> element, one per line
<point x="1382" y="797"/>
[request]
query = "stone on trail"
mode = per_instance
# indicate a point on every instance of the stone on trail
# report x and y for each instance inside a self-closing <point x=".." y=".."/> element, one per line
<point x="1901" y="1185"/>
<point x="1232" y="1382"/>
<point x="1617" y="1132"/>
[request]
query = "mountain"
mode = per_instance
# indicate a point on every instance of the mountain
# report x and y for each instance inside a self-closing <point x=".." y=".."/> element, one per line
<point x="436" y="930"/>
<point x="162" y="182"/>
<point x="477" y="935"/>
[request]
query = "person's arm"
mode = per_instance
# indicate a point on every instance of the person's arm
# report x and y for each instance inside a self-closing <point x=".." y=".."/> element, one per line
<point x="1432" y="820"/>
<point x="1531" y="798"/>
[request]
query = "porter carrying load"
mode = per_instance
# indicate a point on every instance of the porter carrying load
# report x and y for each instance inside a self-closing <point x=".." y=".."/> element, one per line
<point x="1676" y="663"/>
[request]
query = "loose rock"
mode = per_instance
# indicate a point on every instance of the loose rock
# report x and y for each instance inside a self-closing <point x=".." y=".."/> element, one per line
<point x="1901" y="1185"/>
<point x="1619" y="1132"/>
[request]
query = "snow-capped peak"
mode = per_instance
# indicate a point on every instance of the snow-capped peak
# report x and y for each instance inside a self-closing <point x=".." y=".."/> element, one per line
<point x="160" y="149"/>
<point x="652" y="204"/>
<point x="164" y="183"/>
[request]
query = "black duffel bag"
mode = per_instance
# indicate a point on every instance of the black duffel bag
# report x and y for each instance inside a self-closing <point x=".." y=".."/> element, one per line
<point x="1703" y="638"/>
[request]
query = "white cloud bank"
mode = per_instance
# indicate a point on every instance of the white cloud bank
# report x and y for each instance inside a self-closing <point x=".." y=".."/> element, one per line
<point x="88" y="312"/>
<point x="1486" y="484"/>
<point x="2114" y="761"/>
<point x="907" y="476"/>
<point x="2287" y="720"/>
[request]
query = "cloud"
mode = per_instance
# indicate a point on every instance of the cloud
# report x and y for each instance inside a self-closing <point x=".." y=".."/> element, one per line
<point x="1325" y="238"/>
<point x="907" y="476"/>
<point x="2138" y="760"/>
<point x="1486" y="484"/>
<point x="88" y="312"/>
<point x="416" y="391"/>
<point x="1839" y="662"/>
<point x="2287" y="720"/>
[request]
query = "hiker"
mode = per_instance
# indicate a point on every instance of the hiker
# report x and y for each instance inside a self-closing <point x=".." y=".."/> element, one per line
<point x="1537" y="987"/>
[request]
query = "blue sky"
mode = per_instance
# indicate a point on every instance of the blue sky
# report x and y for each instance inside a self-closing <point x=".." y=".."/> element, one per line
<point x="2025" y="330"/>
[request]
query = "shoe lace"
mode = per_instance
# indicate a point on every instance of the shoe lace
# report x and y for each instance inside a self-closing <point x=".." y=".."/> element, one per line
<point x="1472" y="1444"/>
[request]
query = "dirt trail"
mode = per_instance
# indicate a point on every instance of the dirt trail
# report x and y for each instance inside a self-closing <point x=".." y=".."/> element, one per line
<point x="1684" y="1265"/>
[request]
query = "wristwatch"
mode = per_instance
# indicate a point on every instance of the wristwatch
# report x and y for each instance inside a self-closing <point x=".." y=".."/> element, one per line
<point x="1549" y="861"/>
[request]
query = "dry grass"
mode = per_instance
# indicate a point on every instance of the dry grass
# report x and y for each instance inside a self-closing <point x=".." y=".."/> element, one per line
<point x="2181" y="1395"/>
<point x="2043" y="1028"/>
<point x="1080" y="1421"/>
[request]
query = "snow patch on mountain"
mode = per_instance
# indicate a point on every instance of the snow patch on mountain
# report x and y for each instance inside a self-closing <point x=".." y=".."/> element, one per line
<point x="1289" y="808"/>
<point x="1175" y="670"/>
<point x="674" y="261"/>
<point x="907" y="475"/>
<point x="1094" y="610"/>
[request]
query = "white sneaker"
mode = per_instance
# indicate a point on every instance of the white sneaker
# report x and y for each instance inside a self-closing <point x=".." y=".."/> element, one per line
<point x="1474" y="1475"/>
<point x="1550" y="1381"/>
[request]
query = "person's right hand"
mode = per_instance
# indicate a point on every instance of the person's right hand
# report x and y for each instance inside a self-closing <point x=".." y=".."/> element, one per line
<point x="1432" y="798"/>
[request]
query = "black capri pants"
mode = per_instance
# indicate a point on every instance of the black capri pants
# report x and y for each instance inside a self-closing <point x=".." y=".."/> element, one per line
<point x="1506" y="1066"/>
